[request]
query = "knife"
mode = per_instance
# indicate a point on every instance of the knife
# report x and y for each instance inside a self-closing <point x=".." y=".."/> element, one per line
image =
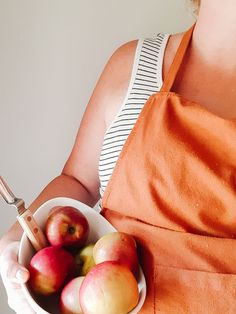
<point x="25" y="217"/>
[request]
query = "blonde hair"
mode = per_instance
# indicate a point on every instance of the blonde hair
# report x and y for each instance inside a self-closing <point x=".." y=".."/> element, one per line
<point x="196" y="2"/>
<point x="196" y="5"/>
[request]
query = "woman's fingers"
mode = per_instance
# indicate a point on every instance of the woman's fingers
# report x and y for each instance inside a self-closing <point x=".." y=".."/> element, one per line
<point x="11" y="270"/>
<point x="16" y="273"/>
<point x="13" y="275"/>
<point x="17" y="300"/>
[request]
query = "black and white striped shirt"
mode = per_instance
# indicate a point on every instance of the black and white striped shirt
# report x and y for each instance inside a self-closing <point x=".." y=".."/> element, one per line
<point x="146" y="79"/>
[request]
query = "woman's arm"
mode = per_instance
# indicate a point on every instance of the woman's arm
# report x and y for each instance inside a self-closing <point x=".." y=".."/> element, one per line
<point x="79" y="178"/>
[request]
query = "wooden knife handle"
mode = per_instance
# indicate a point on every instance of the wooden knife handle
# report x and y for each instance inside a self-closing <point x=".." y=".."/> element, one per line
<point x="32" y="230"/>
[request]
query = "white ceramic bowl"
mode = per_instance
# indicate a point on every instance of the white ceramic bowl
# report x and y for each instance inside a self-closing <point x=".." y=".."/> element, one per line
<point x="99" y="226"/>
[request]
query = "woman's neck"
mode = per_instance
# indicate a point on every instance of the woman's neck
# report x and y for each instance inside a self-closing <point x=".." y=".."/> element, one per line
<point x="214" y="37"/>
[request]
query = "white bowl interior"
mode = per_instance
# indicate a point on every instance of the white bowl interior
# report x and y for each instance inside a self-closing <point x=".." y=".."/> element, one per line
<point x="99" y="226"/>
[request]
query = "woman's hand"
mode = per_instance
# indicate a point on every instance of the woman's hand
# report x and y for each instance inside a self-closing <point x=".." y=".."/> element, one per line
<point x="13" y="275"/>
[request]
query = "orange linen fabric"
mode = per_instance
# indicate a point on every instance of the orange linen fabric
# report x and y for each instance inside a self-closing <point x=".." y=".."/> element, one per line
<point x="174" y="190"/>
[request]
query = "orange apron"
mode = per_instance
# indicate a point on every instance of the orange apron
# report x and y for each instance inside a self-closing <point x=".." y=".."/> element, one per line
<point x="174" y="190"/>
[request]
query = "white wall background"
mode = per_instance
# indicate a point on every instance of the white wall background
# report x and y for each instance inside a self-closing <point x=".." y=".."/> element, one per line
<point x="51" y="54"/>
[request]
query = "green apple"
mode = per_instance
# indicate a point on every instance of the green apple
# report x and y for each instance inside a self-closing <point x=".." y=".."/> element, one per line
<point x="84" y="259"/>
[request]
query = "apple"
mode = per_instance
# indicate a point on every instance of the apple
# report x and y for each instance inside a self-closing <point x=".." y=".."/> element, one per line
<point x="109" y="288"/>
<point x="49" y="270"/>
<point x="84" y="259"/>
<point x="117" y="246"/>
<point x="69" y="301"/>
<point x="67" y="227"/>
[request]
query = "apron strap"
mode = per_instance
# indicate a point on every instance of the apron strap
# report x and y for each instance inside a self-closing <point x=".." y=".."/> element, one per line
<point x="171" y="75"/>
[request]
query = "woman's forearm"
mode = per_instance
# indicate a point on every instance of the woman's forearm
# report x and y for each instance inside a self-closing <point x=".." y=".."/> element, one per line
<point x="62" y="185"/>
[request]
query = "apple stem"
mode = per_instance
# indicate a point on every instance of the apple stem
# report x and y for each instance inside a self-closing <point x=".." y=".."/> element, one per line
<point x="71" y="230"/>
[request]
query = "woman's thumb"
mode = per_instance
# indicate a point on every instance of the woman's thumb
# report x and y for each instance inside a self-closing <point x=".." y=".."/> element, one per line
<point x="10" y="269"/>
<point x="17" y="273"/>
<point x="22" y="275"/>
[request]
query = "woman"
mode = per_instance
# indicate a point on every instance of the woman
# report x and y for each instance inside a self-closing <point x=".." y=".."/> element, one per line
<point x="184" y="219"/>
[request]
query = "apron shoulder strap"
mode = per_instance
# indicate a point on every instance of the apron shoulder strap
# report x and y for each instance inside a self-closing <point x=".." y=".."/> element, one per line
<point x="171" y="75"/>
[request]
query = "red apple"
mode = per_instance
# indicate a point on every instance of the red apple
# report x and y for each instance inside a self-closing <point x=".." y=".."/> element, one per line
<point x="67" y="226"/>
<point x="49" y="269"/>
<point x="69" y="302"/>
<point x="109" y="288"/>
<point x="117" y="246"/>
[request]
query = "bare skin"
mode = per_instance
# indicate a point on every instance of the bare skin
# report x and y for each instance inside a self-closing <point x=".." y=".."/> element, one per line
<point x="206" y="76"/>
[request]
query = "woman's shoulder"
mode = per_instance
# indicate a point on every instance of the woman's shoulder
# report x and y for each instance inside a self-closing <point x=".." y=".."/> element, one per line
<point x="121" y="67"/>
<point x="121" y="62"/>
<point x="118" y="71"/>
<point x="116" y="77"/>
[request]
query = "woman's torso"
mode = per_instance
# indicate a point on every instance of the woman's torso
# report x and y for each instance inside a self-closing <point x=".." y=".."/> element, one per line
<point x="195" y="81"/>
<point x="173" y="189"/>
